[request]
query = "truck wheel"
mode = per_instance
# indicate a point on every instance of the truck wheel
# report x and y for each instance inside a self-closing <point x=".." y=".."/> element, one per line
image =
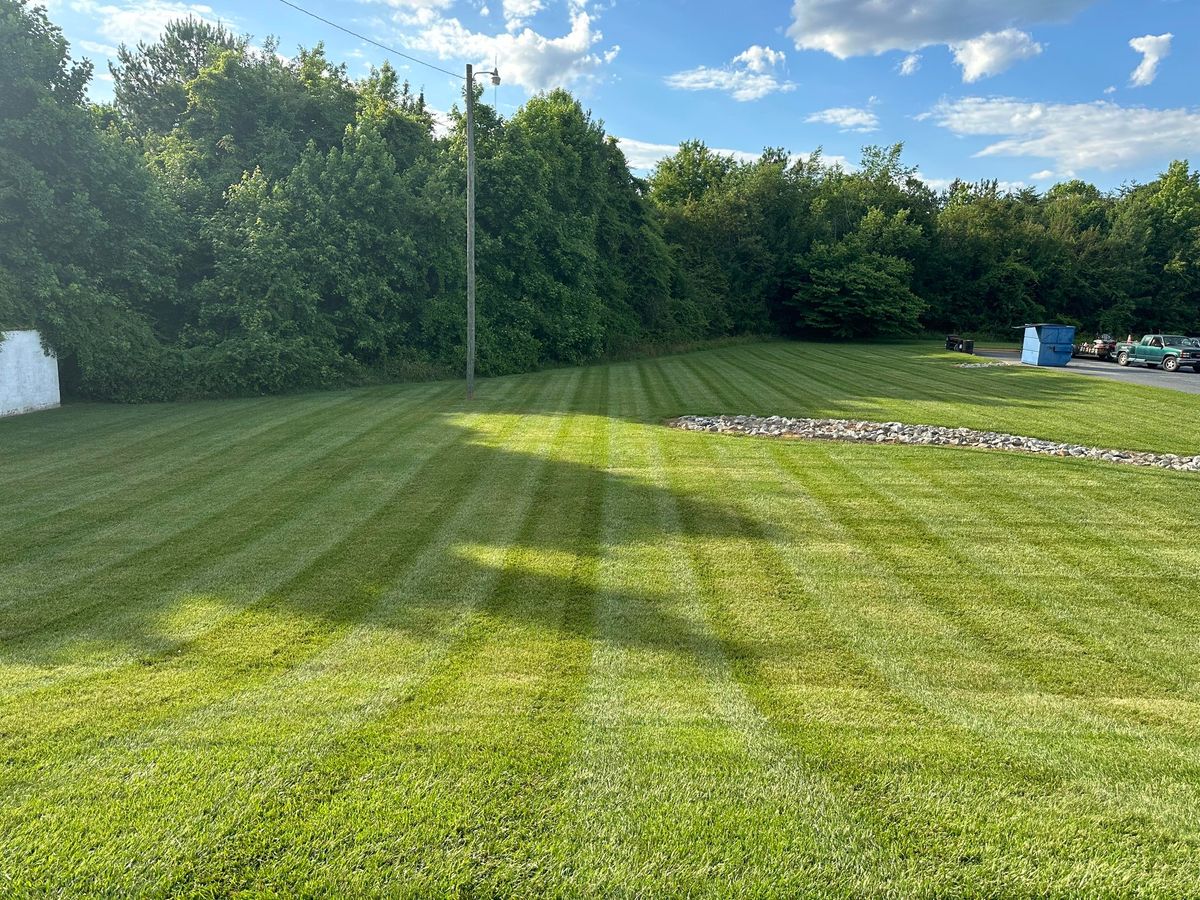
<point x="1122" y="358"/>
<point x="1197" y="368"/>
<point x="1170" y="364"/>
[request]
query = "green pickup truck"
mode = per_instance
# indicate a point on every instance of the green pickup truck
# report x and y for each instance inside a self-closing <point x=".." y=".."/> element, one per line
<point x="1167" y="350"/>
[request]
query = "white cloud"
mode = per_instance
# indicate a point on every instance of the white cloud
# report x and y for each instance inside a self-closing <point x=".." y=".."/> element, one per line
<point x="442" y="123"/>
<point x="1099" y="135"/>
<point x="993" y="53"/>
<point x="643" y="156"/>
<point x="415" y="4"/>
<point x="937" y="184"/>
<point x="98" y="48"/>
<point x="525" y="57"/>
<point x="1154" y="49"/>
<point x="1111" y="89"/>
<point x="1044" y="175"/>
<point x="943" y="184"/>
<point x="749" y="76"/>
<point x="910" y="64"/>
<point x="846" y="118"/>
<point x="759" y="59"/>
<point x="861" y="27"/>
<point x="517" y="12"/>
<point x="139" y="20"/>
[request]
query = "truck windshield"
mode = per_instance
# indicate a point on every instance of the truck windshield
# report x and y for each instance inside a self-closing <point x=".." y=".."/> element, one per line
<point x="1175" y="340"/>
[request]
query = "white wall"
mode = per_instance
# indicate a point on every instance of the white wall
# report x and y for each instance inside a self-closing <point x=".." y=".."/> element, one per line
<point x="28" y="375"/>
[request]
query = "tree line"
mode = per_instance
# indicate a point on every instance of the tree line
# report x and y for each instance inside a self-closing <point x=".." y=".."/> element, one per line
<point x="235" y="222"/>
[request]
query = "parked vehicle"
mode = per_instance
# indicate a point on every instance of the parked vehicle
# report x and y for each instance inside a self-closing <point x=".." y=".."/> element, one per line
<point x="960" y="344"/>
<point x="1167" y="350"/>
<point x="1102" y="348"/>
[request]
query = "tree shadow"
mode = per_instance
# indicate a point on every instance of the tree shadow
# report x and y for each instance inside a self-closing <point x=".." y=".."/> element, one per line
<point x="149" y="606"/>
<point x="339" y="567"/>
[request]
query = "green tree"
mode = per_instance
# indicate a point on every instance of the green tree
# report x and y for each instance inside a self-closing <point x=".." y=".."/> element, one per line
<point x="85" y="231"/>
<point x="150" y="80"/>
<point x="859" y="286"/>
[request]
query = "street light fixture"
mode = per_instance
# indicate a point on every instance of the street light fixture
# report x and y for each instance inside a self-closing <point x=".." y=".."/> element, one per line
<point x="495" y="76"/>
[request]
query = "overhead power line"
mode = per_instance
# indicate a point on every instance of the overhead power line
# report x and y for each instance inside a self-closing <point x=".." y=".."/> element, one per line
<point x="363" y="37"/>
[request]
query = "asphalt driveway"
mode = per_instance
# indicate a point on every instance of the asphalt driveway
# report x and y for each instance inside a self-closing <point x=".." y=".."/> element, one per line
<point x="1184" y="380"/>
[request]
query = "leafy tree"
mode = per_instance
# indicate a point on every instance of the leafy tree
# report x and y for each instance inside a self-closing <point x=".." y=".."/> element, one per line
<point x="241" y="222"/>
<point x="982" y="275"/>
<point x="859" y="286"/>
<point x="150" y="80"/>
<point x="693" y="171"/>
<point x="85" y="231"/>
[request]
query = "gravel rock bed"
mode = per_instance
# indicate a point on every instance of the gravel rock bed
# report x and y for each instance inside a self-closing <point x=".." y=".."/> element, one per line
<point x="986" y="365"/>
<point x="934" y="435"/>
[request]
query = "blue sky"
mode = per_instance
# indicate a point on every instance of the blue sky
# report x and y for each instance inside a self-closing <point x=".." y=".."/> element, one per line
<point x="1026" y="91"/>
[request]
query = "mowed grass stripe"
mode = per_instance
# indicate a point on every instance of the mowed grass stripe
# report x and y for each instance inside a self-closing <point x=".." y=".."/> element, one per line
<point x="845" y="726"/>
<point x="128" y="437"/>
<point x="214" y="562"/>
<point x="650" y="710"/>
<point x="825" y="383"/>
<point x="60" y="504"/>
<point x="810" y="389"/>
<point x="506" y="600"/>
<point x="663" y="680"/>
<point x="764" y="493"/>
<point x="999" y="739"/>
<point x="827" y="553"/>
<point x="1054" y="404"/>
<point x="575" y="652"/>
<point x="1031" y="611"/>
<point x="154" y="489"/>
<point x="160" y="533"/>
<point x="992" y="609"/>
<point x="921" y="379"/>
<point x="1004" y="610"/>
<point x="999" y="744"/>
<point x="94" y="422"/>
<point x="272" y="634"/>
<point x="854" y="391"/>
<point x="1000" y="717"/>
<point x="1055" y="568"/>
<point x="89" y="423"/>
<point x="932" y="625"/>
<point x="123" y="500"/>
<point x="263" y="702"/>
<point x="904" y="570"/>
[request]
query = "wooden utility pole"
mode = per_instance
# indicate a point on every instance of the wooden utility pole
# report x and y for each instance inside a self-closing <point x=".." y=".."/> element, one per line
<point x="470" y="233"/>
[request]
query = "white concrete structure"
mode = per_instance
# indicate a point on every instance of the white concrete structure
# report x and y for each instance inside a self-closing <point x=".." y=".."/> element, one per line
<point x="28" y="374"/>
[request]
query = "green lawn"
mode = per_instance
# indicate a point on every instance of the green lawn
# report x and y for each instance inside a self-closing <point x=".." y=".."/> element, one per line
<point x="384" y="642"/>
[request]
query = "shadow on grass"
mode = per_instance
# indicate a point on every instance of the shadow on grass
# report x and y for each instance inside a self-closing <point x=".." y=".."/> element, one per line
<point x="541" y="574"/>
<point x="342" y="563"/>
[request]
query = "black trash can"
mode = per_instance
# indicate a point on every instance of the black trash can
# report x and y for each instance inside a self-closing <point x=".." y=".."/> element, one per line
<point x="952" y="341"/>
<point x="968" y="347"/>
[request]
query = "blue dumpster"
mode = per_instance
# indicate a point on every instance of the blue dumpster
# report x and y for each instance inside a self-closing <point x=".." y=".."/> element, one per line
<point x="1047" y="344"/>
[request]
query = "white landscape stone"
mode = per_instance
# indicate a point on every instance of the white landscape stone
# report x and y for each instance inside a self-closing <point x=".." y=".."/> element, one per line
<point x="933" y="435"/>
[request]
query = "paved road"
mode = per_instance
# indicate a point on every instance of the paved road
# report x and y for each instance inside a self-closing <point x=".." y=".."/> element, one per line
<point x="1184" y="380"/>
